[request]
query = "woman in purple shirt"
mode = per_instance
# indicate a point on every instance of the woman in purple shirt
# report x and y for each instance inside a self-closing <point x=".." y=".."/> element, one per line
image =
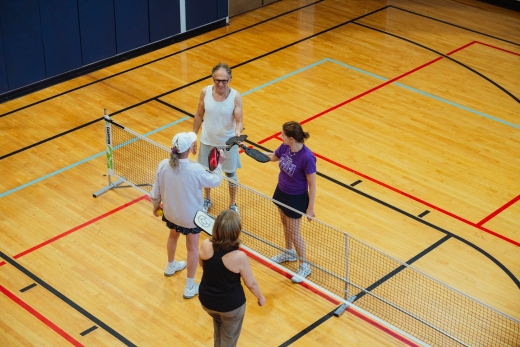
<point x="296" y="188"/>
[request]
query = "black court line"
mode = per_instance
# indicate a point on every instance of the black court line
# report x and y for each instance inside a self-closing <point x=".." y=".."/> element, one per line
<point x="454" y="25"/>
<point x="189" y="84"/>
<point x="447" y="57"/>
<point x="309" y="328"/>
<point x="28" y="287"/>
<point x="422" y="221"/>
<point x="158" y="59"/>
<point x="356" y="183"/>
<point x="423" y="214"/>
<point x="401" y="268"/>
<point x="369" y="288"/>
<point x="88" y="331"/>
<point x="68" y="301"/>
<point x="416" y="218"/>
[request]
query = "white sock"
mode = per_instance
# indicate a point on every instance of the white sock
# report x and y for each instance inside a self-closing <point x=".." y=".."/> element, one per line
<point x="190" y="282"/>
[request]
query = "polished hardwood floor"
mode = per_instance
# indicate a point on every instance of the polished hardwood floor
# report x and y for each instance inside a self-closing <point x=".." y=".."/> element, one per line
<point x="416" y="102"/>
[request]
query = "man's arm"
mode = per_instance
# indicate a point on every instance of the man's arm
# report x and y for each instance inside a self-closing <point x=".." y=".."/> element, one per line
<point x="199" y="115"/>
<point x="237" y="114"/>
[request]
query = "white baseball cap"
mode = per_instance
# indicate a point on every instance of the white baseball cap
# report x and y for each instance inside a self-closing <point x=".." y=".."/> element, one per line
<point x="182" y="141"/>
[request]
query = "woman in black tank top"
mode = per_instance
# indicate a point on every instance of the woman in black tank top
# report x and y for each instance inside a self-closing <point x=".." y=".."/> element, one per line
<point x="224" y="266"/>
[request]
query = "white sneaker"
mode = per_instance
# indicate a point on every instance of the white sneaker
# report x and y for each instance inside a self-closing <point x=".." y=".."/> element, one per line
<point x="190" y="293"/>
<point x="303" y="271"/>
<point x="206" y="205"/>
<point x="287" y="255"/>
<point x="173" y="268"/>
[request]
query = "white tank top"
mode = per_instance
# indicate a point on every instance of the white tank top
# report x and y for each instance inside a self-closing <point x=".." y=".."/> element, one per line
<point x="219" y="124"/>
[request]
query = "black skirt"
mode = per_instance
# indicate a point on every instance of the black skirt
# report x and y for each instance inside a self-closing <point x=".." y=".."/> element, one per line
<point x="298" y="202"/>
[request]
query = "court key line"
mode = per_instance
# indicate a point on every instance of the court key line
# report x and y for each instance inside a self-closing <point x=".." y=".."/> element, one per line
<point x="68" y="301"/>
<point x="476" y="225"/>
<point x="53" y="291"/>
<point x="39" y="316"/>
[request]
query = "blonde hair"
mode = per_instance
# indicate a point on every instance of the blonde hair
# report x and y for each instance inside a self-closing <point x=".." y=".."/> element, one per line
<point x="174" y="160"/>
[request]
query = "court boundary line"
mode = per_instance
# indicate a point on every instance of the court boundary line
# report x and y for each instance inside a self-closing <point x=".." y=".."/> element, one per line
<point x="39" y="316"/>
<point x="447" y="56"/>
<point x="454" y="25"/>
<point x="66" y="300"/>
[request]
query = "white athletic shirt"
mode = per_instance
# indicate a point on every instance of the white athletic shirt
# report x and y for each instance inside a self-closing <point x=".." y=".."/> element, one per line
<point x="180" y="190"/>
<point x="219" y="124"/>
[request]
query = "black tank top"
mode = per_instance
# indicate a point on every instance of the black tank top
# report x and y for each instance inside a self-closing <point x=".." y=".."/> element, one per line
<point x="220" y="289"/>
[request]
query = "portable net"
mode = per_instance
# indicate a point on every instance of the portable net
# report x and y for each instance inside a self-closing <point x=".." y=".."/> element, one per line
<point x="352" y="271"/>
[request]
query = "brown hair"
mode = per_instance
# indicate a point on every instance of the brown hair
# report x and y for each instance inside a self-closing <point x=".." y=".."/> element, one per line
<point x="221" y="66"/>
<point x="295" y="130"/>
<point x="226" y="231"/>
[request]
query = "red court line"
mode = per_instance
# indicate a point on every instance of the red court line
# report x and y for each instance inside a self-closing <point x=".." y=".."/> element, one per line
<point x="39" y="316"/>
<point x="498" y="48"/>
<point x="79" y="227"/>
<point x="492" y="215"/>
<point x="370" y="90"/>
<point x="478" y="226"/>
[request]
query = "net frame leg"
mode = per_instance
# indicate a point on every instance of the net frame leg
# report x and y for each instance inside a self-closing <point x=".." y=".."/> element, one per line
<point x="110" y="185"/>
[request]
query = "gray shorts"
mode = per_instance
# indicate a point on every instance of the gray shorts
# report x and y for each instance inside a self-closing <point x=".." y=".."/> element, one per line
<point x="230" y="165"/>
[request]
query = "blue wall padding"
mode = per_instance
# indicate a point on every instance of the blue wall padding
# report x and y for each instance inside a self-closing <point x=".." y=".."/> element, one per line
<point x="164" y="19"/>
<point x="60" y="28"/>
<point x="22" y="41"/>
<point x="200" y="12"/>
<point x="222" y="9"/>
<point x="4" y="87"/>
<point x="131" y="24"/>
<point x="97" y="30"/>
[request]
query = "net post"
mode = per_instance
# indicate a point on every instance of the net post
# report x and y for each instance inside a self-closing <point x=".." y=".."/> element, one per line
<point x="344" y="306"/>
<point x="110" y="160"/>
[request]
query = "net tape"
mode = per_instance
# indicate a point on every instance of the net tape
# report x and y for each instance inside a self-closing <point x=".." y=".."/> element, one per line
<point x="350" y="269"/>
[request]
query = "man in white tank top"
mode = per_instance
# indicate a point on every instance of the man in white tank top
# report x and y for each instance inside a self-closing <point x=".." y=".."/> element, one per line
<point x="220" y="106"/>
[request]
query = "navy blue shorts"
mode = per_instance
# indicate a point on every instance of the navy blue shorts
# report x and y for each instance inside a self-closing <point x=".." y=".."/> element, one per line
<point x="182" y="230"/>
<point x="298" y="202"/>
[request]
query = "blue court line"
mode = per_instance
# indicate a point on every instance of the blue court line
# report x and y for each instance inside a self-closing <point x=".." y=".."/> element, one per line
<point x="83" y="161"/>
<point x="384" y="79"/>
<point x="285" y="76"/>
<point x="266" y="85"/>
<point x="465" y="108"/>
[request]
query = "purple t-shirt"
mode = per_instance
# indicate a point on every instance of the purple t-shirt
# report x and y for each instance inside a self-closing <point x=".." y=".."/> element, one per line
<point x="294" y="168"/>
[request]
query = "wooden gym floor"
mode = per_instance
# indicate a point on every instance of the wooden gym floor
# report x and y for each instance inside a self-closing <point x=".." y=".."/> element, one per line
<point x="412" y="104"/>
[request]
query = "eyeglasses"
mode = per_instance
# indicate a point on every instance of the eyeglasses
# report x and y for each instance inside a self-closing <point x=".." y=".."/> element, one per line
<point x="220" y="81"/>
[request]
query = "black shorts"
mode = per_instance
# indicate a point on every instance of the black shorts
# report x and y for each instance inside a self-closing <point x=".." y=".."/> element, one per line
<point x="182" y="230"/>
<point x="298" y="202"/>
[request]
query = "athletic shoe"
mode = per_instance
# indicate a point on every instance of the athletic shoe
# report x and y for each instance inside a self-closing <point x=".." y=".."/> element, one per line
<point x="173" y="268"/>
<point x="190" y="293"/>
<point x="207" y="204"/>
<point x="287" y="255"/>
<point x="303" y="271"/>
<point x="234" y="207"/>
